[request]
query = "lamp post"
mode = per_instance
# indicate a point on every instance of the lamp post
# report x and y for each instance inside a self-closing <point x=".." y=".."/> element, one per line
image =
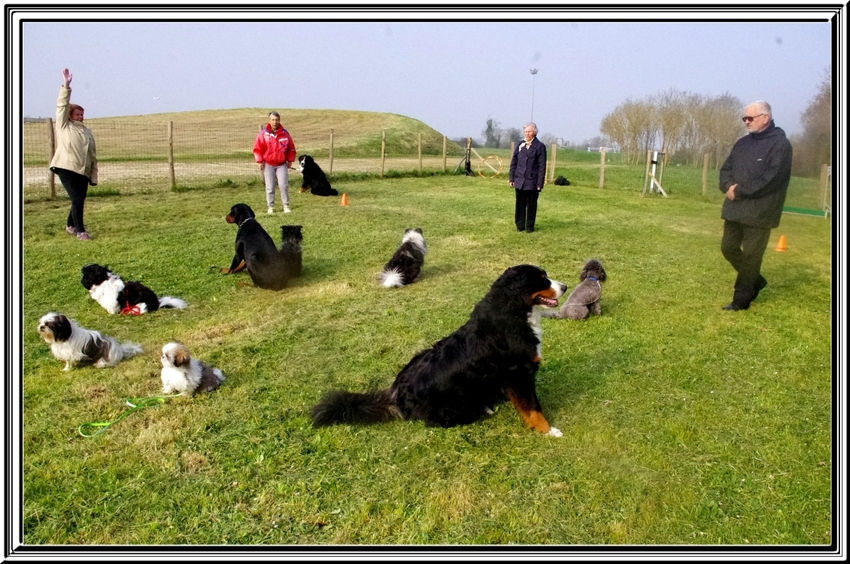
<point x="533" y="74"/>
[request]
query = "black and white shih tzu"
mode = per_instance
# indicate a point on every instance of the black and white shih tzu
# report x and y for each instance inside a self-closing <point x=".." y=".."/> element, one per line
<point x="183" y="374"/>
<point x="117" y="296"/>
<point x="586" y="297"/>
<point x="75" y="345"/>
<point x="406" y="263"/>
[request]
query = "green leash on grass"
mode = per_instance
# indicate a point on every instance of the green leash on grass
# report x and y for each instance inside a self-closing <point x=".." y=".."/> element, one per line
<point x="135" y="404"/>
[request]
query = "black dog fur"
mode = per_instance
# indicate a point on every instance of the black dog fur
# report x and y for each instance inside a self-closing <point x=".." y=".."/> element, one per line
<point x="256" y="252"/>
<point x="493" y="356"/>
<point x="290" y="248"/>
<point x="314" y="178"/>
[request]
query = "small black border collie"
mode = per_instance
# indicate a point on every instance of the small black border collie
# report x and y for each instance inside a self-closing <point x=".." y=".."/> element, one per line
<point x="77" y="346"/>
<point x="493" y="356"/>
<point x="314" y="178"/>
<point x="116" y="296"/>
<point x="406" y="263"/>
<point x="256" y="252"/>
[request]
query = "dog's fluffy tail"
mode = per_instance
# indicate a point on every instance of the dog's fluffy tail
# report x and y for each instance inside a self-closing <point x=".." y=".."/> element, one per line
<point x="391" y="278"/>
<point x="339" y="406"/>
<point x="171" y="301"/>
<point x="130" y="350"/>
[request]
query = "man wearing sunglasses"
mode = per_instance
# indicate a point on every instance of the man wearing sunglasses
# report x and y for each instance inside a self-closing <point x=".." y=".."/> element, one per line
<point x="755" y="180"/>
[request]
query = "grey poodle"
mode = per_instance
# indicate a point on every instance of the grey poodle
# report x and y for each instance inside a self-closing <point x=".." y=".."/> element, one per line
<point x="585" y="298"/>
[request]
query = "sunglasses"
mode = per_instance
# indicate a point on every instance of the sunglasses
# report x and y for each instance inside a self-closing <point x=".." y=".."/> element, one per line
<point x="748" y="119"/>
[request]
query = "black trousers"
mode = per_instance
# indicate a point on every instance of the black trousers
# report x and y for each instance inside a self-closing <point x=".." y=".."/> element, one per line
<point x="77" y="187"/>
<point x="743" y="246"/>
<point x="525" y="212"/>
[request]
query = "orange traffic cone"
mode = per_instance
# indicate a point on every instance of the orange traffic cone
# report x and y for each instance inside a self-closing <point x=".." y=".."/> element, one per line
<point x="344" y="201"/>
<point x="781" y="245"/>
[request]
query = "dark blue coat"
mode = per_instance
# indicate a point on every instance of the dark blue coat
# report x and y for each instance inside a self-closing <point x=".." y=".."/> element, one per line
<point x="528" y="166"/>
<point x="760" y="164"/>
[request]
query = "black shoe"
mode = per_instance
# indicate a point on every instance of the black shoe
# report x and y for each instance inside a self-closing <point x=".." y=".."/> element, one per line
<point x="529" y="230"/>
<point x="759" y="288"/>
<point x="520" y="228"/>
<point x="734" y="306"/>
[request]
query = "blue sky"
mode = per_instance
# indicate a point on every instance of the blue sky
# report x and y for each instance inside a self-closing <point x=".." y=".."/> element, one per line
<point x="451" y="75"/>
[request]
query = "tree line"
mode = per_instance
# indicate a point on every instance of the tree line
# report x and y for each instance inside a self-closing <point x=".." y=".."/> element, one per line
<point x="683" y="125"/>
<point x="686" y="126"/>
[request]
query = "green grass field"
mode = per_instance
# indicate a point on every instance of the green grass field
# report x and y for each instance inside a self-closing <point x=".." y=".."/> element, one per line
<point x="683" y="424"/>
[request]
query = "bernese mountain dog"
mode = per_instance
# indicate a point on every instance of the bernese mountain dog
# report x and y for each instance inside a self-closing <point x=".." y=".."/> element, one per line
<point x="314" y="178"/>
<point x="406" y="263"/>
<point x="493" y="356"/>
<point x="110" y="291"/>
<point x="256" y="252"/>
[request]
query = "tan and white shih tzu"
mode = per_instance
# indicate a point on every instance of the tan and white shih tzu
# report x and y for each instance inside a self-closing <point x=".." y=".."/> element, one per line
<point x="75" y="345"/>
<point x="185" y="375"/>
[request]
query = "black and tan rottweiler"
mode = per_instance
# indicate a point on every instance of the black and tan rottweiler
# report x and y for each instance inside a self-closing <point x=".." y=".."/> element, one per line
<point x="256" y="252"/>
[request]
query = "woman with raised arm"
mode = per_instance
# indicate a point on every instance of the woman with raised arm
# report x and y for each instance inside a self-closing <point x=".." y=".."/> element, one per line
<point x="75" y="159"/>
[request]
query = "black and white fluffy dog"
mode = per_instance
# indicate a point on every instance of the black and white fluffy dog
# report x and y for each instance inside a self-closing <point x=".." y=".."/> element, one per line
<point x="493" y="356"/>
<point x="75" y="345"/>
<point x="183" y="374"/>
<point x="115" y="295"/>
<point x="586" y="298"/>
<point x="314" y="178"/>
<point x="406" y="263"/>
<point x="290" y="248"/>
<point x="255" y="251"/>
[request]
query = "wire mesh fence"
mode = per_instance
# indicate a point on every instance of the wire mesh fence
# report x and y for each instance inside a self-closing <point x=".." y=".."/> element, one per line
<point x="139" y="155"/>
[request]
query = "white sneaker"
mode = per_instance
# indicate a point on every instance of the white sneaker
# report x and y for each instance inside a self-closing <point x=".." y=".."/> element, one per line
<point x="271" y="211"/>
<point x="286" y="209"/>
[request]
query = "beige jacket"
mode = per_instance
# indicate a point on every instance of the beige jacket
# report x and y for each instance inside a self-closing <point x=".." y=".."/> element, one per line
<point x="75" y="148"/>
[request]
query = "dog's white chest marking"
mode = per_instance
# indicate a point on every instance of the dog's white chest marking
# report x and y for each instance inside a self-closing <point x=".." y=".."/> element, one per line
<point x="106" y="293"/>
<point x="534" y="323"/>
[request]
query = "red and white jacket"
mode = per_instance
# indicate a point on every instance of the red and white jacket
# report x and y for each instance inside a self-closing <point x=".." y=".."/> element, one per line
<point x="274" y="147"/>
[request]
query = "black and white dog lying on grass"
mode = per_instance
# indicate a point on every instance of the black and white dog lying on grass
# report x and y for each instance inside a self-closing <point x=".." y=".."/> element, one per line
<point x="116" y="296"/>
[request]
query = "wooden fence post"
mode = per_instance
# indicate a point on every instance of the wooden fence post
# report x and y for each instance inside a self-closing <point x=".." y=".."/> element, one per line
<point x="601" y="166"/>
<point x="420" y="154"/>
<point x="171" y="153"/>
<point x="383" y="150"/>
<point x="705" y="174"/>
<point x="646" y="172"/>
<point x="444" y="153"/>
<point x="554" y="158"/>
<point x="331" y="155"/>
<point x="51" y="146"/>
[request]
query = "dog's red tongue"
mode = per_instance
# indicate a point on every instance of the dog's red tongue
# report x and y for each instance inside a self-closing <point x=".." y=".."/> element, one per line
<point x="543" y="300"/>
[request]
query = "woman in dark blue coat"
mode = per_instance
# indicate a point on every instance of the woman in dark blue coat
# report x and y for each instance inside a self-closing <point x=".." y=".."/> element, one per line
<point x="528" y="171"/>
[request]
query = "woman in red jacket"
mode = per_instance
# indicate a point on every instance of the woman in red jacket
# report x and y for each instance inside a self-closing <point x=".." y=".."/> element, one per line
<point x="274" y="152"/>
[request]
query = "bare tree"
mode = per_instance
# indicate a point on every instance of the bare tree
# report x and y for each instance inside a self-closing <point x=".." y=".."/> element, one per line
<point x="677" y="123"/>
<point x="814" y="147"/>
<point x="492" y="134"/>
<point x="631" y="126"/>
